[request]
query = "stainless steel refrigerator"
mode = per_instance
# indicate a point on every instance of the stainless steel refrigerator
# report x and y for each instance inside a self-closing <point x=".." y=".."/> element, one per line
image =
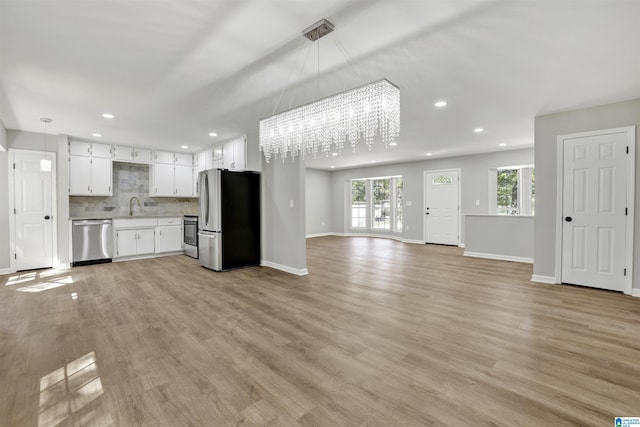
<point x="229" y="220"/>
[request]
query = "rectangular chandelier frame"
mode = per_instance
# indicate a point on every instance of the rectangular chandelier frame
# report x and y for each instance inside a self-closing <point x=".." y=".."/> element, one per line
<point x="363" y="112"/>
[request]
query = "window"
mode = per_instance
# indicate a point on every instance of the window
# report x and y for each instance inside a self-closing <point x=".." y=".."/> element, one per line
<point x="358" y="204"/>
<point x="398" y="188"/>
<point x="514" y="190"/>
<point x="381" y="207"/>
<point x="376" y="204"/>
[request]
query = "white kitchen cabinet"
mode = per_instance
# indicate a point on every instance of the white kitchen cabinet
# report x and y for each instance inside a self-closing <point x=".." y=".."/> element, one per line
<point x="146" y="243"/>
<point x="80" y="175"/>
<point x="172" y="175"/>
<point x="126" y="243"/>
<point x="102" y="151"/>
<point x="80" y="148"/>
<point x="183" y="182"/>
<point x="231" y="154"/>
<point x="141" y="155"/>
<point x="131" y="154"/>
<point x="163" y="157"/>
<point x="89" y="176"/>
<point x="122" y="154"/>
<point x="101" y="177"/>
<point x="169" y="238"/>
<point x="131" y="242"/>
<point x="183" y="159"/>
<point x="163" y="180"/>
<point x="217" y="157"/>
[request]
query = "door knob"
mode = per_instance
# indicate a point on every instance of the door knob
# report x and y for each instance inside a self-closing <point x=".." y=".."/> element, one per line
<point x="47" y="217"/>
<point x="568" y="219"/>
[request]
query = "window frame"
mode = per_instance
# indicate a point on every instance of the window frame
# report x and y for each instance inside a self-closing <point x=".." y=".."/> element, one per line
<point x="393" y="226"/>
<point x="525" y="205"/>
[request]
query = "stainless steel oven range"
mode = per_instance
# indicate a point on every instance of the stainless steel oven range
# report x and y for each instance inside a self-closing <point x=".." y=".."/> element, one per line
<point x="191" y="235"/>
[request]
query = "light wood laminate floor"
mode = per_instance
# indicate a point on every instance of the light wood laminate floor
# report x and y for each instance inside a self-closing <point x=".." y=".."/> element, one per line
<point x="379" y="333"/>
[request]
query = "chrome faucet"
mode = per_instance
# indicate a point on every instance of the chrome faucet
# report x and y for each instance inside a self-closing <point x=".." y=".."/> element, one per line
<point x="131" y="204"/>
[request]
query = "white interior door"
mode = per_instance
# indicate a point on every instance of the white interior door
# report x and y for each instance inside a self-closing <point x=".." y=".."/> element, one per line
<point x="594" y="210"/>
<point x="442" y="207"/>
<point x="33" y="179"/>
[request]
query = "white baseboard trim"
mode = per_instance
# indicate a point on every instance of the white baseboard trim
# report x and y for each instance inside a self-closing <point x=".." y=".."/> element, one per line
<point x="285" y="268"/>
<point x="543" y="279"/>
<point x="417" y="242"/>
<point x="6" y="271"/>
<point x="378" y="236"/>
<point x="461" y="245"/>
<point x="499" y="257"/>
<point x="635" y="292"/>
<point x="310" y="236"/>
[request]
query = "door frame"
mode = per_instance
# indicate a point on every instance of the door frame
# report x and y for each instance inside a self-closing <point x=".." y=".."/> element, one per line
<point x="55" y="259"/>
<point x="629" y="220"/>
<point x="424" y="200"/>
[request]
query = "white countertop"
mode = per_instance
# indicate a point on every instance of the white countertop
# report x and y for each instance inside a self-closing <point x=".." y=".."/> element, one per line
<point x="499" y="216"/>
<point x="124" y="217"/>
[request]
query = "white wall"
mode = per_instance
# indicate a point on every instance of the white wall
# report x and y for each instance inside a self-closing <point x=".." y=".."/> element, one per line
<point x="507" y="237"/>
<point x="474" y="185"/>
<point x="547" y="129"/>
<point x="283" y="215"/>
<point x="318" y="201"/>
<point x="4" y="200"/>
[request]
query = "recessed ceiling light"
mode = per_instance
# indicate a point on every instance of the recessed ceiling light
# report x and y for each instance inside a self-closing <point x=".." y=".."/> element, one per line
<point x="478" y="130"/>
<point x="213" y="134"/>
<point x="428" y="154"/>
<point x="373" y="161"/>
<point x="184" y="147"/>
<point x="97" y="135"/>
<point x="441" y="104"/>
<point x="334" y="154"/>
<point x="502" y="145"/>
<point x="393" y="144"/>
<point x="332" y="167"/>
<point x="108" y="115"/>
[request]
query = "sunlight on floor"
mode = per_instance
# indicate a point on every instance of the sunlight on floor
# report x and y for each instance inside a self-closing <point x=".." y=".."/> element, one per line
<point x="70" y="393"/>
<point x="38" y="281"/>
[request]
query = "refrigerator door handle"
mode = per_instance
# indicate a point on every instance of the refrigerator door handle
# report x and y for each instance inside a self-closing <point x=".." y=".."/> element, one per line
<point x="206" y="198"/>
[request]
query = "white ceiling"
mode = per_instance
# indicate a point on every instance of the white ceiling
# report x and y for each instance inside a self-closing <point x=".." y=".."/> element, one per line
<point x="173" y="71"/>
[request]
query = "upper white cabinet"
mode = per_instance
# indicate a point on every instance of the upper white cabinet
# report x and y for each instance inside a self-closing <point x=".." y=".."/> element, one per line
<point x="89" y="149"/>
<point x="163" y="157"/>
<point x="184" y="159"/>
<point x="231" y="154"/>
<point x="172" y="175"/>
<point x="90" y="172"/>
<point x="131" y="154"/>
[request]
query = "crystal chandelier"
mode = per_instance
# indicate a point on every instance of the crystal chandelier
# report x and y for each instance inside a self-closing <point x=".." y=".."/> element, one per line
<point x="366" y="112"/>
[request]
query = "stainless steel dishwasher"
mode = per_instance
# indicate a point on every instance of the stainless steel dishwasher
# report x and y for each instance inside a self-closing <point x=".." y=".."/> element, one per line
<point x="92" y="241"/>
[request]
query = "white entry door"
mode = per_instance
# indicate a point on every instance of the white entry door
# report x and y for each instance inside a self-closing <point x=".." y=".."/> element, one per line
<point x="594" y="209"/>
<point x="33" y="180"/>
<point x="442" y="207"/>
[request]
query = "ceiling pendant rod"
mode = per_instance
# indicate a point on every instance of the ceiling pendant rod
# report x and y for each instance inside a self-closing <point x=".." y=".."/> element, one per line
<point x="346" y="55"/>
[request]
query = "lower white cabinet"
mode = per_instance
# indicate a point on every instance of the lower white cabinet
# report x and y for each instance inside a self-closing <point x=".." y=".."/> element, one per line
<point x="169" y="238"/>
<point x="145" y="236"/>
<point x="136" y="241"/>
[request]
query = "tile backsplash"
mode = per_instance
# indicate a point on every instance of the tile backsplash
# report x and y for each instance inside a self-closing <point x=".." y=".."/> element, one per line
<point x="130" y="179"/>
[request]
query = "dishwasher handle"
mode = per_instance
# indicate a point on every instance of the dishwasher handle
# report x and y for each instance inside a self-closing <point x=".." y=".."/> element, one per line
<point x="91" y="222"/>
